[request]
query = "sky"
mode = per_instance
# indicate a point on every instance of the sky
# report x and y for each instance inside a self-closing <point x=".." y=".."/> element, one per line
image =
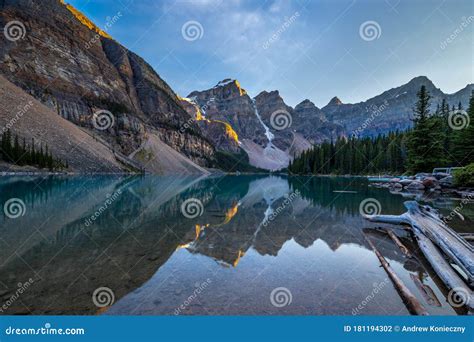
<point x="306" y="49"/>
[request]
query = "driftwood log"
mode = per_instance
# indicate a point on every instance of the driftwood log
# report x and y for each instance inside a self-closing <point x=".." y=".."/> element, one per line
<point x="467" y="236"/>
<point x="413" y="305"/>
<point x="426" y="291"/>
<point x="399" y="244"/>
<point x="429" y="230"/>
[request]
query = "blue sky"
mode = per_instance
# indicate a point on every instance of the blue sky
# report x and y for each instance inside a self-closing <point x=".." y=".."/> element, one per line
<point x="304" y="48"/>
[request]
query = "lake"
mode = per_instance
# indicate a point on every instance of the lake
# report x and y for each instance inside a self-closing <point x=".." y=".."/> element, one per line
<point x="243" y="245"/>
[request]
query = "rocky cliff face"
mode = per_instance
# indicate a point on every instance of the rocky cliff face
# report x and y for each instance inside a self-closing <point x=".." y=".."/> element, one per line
<point x="228" y="102"/>
<point x="69" y="65"/>
<point x="312" y="123"/>
<point x="220" y="133"/>
<point x="269" y="103"/>
<point x="33" y="121"/>
<point x="270" y="131"/>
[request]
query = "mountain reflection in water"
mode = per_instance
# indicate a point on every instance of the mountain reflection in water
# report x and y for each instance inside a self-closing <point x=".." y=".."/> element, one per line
<point x="254" y="234"/>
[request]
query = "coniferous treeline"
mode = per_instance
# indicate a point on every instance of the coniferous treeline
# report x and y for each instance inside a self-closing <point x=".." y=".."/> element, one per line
<point x="385" y="153"/>
<point x="441" y="139"/>
<point x="12" y="151"/>
<point x="444" y="138"/>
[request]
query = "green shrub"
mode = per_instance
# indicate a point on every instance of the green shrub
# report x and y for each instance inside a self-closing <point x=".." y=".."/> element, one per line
<point x="465" y="176"/>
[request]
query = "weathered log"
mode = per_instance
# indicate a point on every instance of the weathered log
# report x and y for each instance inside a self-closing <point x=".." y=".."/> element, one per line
<point x="445" y="271"/>
<point x="412" y="303"/>
<point x="467" y="236"/>
<point x="426" y="291"/>
<point x="419" y="256"/>
<point x="425" y="220"/>
<point x="427" y="223"/>
<point x="397" y="241"/>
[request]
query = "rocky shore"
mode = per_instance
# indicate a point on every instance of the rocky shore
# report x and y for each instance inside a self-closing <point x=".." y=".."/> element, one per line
<point x="435" y="183"/>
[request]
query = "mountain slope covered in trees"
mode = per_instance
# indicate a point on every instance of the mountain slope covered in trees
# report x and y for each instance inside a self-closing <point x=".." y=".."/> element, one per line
<point x="440" y="138"/>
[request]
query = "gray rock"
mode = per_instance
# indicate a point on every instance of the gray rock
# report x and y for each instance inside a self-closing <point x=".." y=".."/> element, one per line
<point x="446" y="181"/>
<point x="422" y="175"/>
<point x="440" y="175"/>
<point x="405" y="182"/>
<point x="415" y="185"/>
<point x="430" y="182"/>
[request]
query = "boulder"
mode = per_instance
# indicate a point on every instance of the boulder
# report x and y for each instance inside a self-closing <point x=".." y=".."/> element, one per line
<point x="415" y="185"/>
<point x="405" y="182"/>
<point x="446" y="181"/>
<point x="440" y="175"/>
<point x="430" y="182"/>
<point x="394" y="180"/>
<point x="396" y="186"/>
<point x="422" y="175"/>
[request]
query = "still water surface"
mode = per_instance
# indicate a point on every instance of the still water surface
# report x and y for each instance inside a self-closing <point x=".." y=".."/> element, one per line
<point x="303" y="236"/>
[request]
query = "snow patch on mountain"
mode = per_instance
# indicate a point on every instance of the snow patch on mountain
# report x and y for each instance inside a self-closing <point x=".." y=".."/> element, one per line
<point x="268" y="134"/>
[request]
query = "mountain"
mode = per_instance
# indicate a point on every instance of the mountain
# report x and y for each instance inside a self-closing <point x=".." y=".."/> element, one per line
<point x="79" y="71"/>
<point x="312" y="123"/>
<point x="272" y="132"/>
<point x="335" y="101"/>
<point x="392" y="110"/>
<point x="219" y="132"/>
<point x="228" y="102"/>
<point x="114" y="98"/>
<point x="268" y="130"/>
<point x="36" y="121"/>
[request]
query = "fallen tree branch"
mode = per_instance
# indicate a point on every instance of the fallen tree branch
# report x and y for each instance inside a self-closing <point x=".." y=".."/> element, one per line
<point x="425" y="221"/>
<point x="412" y="303"/>
<point x="397" y="241"/>
<point x="426" y="291"/>
<point x="428" y="228"/>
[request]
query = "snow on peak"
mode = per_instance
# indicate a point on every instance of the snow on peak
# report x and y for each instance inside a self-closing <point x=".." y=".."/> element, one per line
<point x="228" y="81"/>
<point x="224" y="82"/>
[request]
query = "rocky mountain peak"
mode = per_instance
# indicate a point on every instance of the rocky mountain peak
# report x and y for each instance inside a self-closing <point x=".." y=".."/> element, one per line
<point x="420" y="80"/>
<point x="226" y="89"/>
<point x="269" y="96"/>
<point x="335" y="101"/>
<point x="231" y="85"/>
<point x="225" y="82"/>
<point x="84" y="20"/>
<point x="414" y="85"/>
<point x="95" y="73"/>
<point x="306" y="105"/>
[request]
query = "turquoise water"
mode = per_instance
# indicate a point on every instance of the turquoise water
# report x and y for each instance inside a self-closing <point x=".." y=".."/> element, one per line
<point x="255" y="245"/>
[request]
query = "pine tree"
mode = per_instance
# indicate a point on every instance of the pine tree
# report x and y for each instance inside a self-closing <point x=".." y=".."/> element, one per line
<point x="7" y="147"/>
<point x="384" y="153"/>
<point x="425" y="141"/>
<point x="463" y="145"/>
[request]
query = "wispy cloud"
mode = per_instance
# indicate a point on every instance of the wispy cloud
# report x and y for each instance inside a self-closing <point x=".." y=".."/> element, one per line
<point x="317" y="55"/>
